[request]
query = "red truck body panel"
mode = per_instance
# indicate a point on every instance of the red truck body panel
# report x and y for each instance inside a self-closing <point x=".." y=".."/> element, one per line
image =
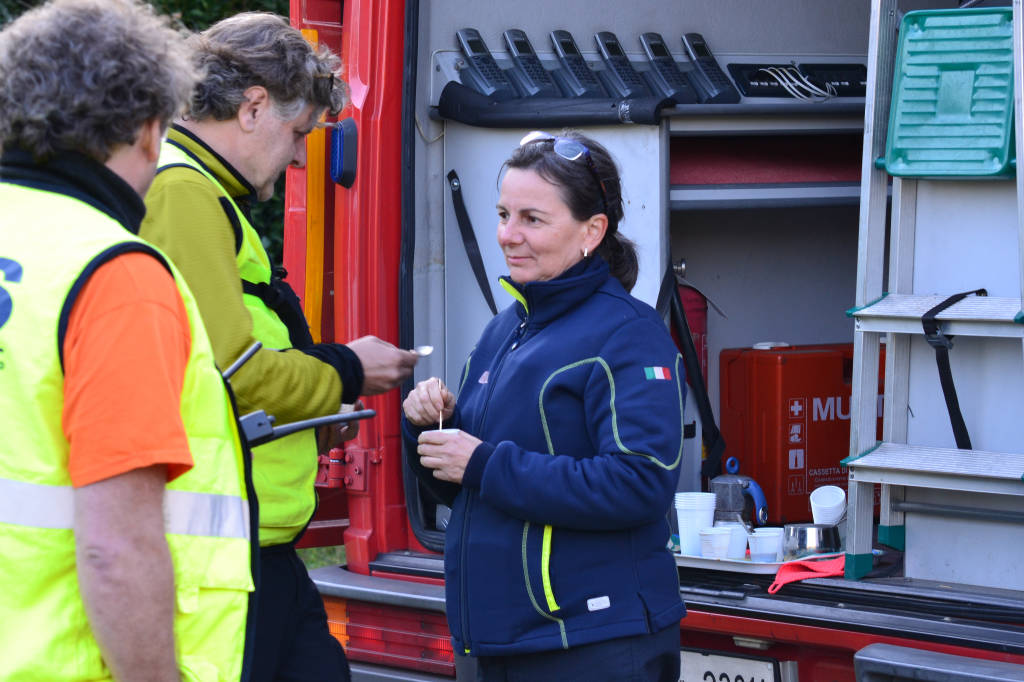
<point x="360" y="269"/>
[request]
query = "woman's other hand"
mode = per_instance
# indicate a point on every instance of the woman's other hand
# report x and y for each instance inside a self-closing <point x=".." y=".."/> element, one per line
<point x="428" y="403"/>
<point x="447" y="453"/>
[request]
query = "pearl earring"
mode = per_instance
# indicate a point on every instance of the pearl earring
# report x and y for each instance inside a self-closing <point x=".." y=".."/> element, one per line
<point x="584" y="252"/>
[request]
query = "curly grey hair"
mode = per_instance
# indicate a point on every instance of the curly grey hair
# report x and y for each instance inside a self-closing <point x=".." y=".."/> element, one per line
<point x="85" y="75"/>
<point x="259" y="48"/>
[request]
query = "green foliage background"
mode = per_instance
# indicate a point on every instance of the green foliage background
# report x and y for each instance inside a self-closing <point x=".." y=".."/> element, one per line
<point x="268" y="216"/>
<point x="194" y="14"/>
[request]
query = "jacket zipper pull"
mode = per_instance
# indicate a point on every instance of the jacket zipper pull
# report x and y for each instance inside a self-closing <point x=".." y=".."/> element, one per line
<point x="519" y="334"/>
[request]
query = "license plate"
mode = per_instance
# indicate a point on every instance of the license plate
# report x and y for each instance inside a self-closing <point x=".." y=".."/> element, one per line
<point x="703" y="667"/>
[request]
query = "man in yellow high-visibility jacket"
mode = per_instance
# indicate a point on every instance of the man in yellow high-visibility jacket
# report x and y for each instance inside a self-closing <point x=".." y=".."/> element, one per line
<point x="264" y="88"/>
<point x="126" y="522"/>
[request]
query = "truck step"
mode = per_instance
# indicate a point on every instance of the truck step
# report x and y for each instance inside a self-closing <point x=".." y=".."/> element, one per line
<point x="973" y="316"/>
<point x="942" y="468"/>
<point x="877" y="662"/>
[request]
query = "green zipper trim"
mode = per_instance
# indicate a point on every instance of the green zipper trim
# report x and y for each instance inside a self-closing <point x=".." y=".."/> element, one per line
<point x="529" y="589"/>
<point x="545" y="561"/>
<point x="545" y="570"/>
<point x="507" y="286"/>
<point x="615" y="419"/>
<point x="682" y="401"/>
<point x="854" y="458"/>
<point x="856" y="309"/>
<point x="465" y="372"/>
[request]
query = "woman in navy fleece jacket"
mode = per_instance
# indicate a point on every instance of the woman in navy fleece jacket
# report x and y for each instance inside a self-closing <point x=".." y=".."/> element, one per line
<point x="567" y="453"/>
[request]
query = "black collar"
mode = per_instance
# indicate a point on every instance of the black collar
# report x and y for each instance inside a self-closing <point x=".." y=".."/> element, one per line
<point x="79" y="176"/>
<point x="212" y="152"/>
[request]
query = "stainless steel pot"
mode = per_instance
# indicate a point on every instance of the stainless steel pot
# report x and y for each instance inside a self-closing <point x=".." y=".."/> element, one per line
<point x="802" y="539"/>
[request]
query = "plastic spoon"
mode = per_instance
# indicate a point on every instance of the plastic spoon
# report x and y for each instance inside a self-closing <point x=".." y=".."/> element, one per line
<point x="423" y="351"/>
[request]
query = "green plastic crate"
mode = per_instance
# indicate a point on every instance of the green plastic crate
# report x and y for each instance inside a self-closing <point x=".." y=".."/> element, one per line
<point x="952" y="100"/>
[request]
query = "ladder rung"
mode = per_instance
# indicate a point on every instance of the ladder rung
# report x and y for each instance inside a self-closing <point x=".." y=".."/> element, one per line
<point x="973" y="316"/>
<point x="944" y="468"/>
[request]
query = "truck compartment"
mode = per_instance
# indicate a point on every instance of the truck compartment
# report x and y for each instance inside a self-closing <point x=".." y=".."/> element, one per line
<point x="766" y="201"/>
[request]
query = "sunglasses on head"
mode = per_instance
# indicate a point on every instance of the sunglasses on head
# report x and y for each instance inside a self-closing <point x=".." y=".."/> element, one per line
<point x="571" y="150"/>
<point x="323" y="86"/>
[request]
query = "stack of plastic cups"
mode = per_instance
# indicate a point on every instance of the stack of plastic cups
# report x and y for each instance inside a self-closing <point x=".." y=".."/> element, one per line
<point x="693" y="511"/>
<point x="828" y="504"/>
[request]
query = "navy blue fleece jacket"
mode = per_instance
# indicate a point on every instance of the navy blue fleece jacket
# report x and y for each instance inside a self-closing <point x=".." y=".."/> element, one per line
<point x="558" y="532"/>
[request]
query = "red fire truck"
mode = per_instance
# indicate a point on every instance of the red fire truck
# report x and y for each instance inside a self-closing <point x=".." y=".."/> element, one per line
<point x="758" y="143"/>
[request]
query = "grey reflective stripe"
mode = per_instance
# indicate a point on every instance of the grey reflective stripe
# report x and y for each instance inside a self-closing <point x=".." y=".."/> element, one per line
<point x="222" y="516"/>
<point x="185" y="513"/>
<point x="35" y="505"/>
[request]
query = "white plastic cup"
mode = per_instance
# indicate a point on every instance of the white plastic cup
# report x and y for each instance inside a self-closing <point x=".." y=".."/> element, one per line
<point x="714" y="542"/>
<point x="828" y="504"/>
<point x="737" y="538"/>
<point x="763" y="547"/>
<point x="690" y="523"/>
<point x="693" y="512"/>
<point x="695" y="500"/>
<point x="775" y="533"/>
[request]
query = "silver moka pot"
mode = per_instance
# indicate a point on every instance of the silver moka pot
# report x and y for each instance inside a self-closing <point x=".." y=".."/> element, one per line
<point x="738" y="498"/>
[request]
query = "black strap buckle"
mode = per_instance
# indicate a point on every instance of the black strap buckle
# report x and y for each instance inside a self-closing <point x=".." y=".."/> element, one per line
<point x="932" y="332"/>
<point x="935" y="337"/>
<point x="942" y="343"/>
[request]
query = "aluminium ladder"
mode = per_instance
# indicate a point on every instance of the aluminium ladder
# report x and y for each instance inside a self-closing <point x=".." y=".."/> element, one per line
<point x="894" y="464"/>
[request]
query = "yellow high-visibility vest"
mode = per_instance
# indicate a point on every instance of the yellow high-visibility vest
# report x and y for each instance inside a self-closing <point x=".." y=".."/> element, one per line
<point x="54" y="242"/>
<point x="284" y="470"/>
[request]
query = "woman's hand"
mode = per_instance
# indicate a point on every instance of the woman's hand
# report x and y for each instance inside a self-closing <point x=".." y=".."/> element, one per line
<point x="447" y="453"/>
<point x="429" y="402"/>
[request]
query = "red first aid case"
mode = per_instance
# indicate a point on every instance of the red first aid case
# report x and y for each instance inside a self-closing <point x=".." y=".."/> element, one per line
<point x="785" y="415"/>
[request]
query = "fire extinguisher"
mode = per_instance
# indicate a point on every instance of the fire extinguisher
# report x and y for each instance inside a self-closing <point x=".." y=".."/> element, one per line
<point x="688" y="313"/>
<point x="695" y="308"/>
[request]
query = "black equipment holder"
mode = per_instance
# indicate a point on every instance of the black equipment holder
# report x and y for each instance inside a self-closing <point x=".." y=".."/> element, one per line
<point x="465" y="105"/>
<point x="469" y="240"/>
<point x="942" y="343"/>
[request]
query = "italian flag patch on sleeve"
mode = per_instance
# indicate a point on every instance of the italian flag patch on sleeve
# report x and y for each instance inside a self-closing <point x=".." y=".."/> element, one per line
<point x="657" y="373"/>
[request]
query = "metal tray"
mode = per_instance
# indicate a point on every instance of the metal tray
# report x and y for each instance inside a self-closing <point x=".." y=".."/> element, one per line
<point x="737" y="565"/>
